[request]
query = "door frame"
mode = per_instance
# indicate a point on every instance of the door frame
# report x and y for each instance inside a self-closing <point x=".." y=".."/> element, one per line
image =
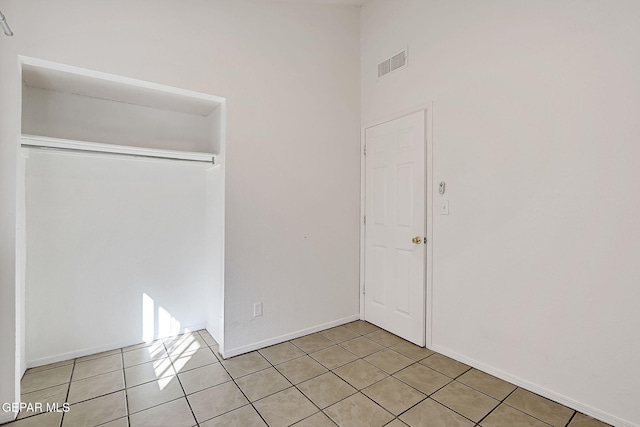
<point x="428" y="303"/>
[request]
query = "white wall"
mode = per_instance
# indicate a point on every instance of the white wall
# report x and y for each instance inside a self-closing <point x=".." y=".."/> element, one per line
<point x="10" y="347"/>
<point x="290" y="73"/>
<point x="115" y="245"/>
<point x="535" y="134"/>
<point x="214" y="262"/>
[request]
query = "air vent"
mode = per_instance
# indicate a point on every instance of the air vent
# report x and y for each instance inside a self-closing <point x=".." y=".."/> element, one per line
<point x="396" y="62"/>
<point x="384" y="68"/>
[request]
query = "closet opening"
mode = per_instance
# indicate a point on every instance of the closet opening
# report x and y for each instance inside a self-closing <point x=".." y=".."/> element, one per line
<point x="120" y="213"/>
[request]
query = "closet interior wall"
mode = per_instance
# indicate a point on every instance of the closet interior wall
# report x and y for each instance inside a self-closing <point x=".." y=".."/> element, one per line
<point x="118" y="249"/>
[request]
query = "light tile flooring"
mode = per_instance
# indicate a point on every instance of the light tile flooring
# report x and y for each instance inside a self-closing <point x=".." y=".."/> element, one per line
<point x="352" y="375"/>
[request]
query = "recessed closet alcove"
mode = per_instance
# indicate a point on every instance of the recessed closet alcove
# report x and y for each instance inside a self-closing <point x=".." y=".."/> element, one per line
<point x="121" y="212"/>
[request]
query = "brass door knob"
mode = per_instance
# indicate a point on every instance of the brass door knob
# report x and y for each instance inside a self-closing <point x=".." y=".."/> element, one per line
<point x="417" y="240"/>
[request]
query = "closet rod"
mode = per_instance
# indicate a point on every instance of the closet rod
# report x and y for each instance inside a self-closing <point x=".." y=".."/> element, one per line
<point x="148" y="156"/>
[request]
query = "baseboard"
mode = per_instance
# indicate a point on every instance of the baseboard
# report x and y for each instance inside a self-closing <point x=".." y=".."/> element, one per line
<point x="282" y="338"/>
<point x="74" y="354"/>
<point x="93" y="350"/>
<point x="535" y="388"/>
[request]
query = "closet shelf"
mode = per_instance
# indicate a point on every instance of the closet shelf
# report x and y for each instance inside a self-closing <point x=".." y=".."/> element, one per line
<point x="35" y="141"/>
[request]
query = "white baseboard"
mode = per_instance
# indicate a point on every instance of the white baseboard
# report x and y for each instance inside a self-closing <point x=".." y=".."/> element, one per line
<point x="282" y="338"/>
<point x="535" y="388"/>
<point x="99" y="349"/>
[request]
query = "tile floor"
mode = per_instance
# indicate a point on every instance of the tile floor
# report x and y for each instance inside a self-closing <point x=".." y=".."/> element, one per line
<point x="352" y="375"/>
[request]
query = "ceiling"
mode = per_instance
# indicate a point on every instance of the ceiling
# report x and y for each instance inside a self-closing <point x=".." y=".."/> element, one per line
<point x="339" y="2"/>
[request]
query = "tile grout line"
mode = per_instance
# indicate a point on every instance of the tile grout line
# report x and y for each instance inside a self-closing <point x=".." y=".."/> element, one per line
<point x="287" y="379"/>
<point x="180" y="382"/>
<point x="571" y="419"/>
<point x="66" y="399"/>
<point x="358" y="391"/>
<point x="320" y="410"/>
<point x="531" y="415"/>
<point x="126" y="395"/>
<point x="453" y="410"/>
<point x="503" y="401"/>
<point x="392" y="375"/>
<point x="241" y="391"/>
<point x="95" y="397"/>
<point x="296" y="387"/>
<point x="427" y="396"/>
<point x="207" y="388"/>
<point x="497" y="406"/>
<point x="125" y="390"/>
<point x="455" y="379"/>
<point x="176" y="374"/>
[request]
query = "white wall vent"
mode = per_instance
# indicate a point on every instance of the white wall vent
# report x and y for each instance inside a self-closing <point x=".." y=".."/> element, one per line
<point x="396" y="62"/>
<point x="384" y="68"/>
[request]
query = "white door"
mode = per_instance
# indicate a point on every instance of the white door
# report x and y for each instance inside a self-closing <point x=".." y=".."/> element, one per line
<point x="395" y="230"/>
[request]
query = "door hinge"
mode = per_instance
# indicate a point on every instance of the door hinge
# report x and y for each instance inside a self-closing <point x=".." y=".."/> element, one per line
<point x="364" y="287"/>
<point x="364" y="150"/>
<point x="365" y="220"/>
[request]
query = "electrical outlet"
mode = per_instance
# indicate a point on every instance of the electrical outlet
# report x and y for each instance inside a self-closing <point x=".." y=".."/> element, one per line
<point x="257" y="309"/>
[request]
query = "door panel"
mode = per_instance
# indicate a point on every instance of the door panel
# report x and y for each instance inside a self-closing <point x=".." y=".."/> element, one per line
<point x="396" y="213"/>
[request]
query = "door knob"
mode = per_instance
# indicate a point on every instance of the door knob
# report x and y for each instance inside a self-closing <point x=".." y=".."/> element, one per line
<point x="417" y="240"/>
